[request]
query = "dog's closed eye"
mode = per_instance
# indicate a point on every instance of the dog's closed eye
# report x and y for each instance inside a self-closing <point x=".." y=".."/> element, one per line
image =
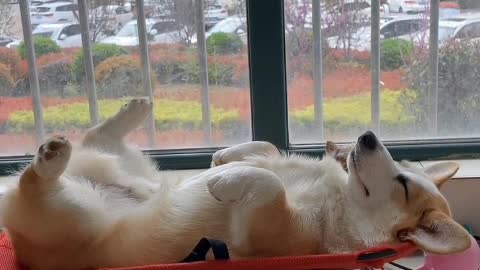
<point x="402" y="179"/>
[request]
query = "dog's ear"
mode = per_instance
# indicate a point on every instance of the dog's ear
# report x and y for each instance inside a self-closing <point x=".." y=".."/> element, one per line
<point x="441" y="172"/>
<point x="331" y="148"/>
<point x="438" y="233"/>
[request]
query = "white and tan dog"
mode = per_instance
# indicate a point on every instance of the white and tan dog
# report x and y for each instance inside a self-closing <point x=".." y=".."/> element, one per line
<point x="105" y="205"/>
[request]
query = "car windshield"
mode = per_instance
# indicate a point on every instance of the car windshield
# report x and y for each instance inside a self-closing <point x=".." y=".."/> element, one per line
<point x="43" y="34"/>
<point x="226" y="26"/>
<point x="42" y="9"/>
<point x="445" y="33"/>
<point x="129" y="30"/>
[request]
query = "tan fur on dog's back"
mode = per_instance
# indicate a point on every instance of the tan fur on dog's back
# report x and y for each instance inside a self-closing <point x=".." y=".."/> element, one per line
<point x="104" y="205"/>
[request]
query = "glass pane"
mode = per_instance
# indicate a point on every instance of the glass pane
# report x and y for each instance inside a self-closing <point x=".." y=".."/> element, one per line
<point x="176" y="67"/>
<point x="345" y="27"/>
<point x="407" y="103"/>
<point x="174" y="59"/>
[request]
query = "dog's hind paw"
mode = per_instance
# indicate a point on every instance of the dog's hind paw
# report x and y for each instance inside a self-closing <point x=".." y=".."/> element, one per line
<point x="135" y="111"/>
<point x="52" y="157"/>
<point x="245" y="185"/>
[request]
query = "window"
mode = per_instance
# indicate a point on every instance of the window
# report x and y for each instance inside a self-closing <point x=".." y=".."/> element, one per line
<point x="287" y="86"/>
<point x="332" y="100"/>
<point x="470" y="31"/>
<point x="71" y="30"/>
<point x="66" y="8"/>
<point x="191" y="111"/>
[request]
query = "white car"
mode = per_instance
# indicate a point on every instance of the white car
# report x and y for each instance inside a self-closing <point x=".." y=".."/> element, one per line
<point x="460" y="28"/>
<point x="409" y="6"/>
<point x="162" y="31"/>
<point x="232" y="25"/>
<point x="58" y="12"/>
<point x="465" y="27"/>
<point x="400" y="27"/>
<point x="66" y="35"/>
<point x="214" y="14"/>
<point x="112" y="17"/>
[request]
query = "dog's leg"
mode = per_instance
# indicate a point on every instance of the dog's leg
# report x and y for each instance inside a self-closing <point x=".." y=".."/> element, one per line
<point x="109" y="135"/>
<point x="240" y="151"/>
<point x="262" y="220"/>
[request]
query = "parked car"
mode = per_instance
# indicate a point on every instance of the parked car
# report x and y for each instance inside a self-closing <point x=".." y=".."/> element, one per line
<point x="43" y="2"/>
<point x="5" y="40"/>
<point x="158" y="9"/>
<point x="355" y="13"/>
<point x="66" y="35"/>
<point x="160" y="31"/>
<point x="214" y="14"/>
<point x="111" y="17"/>
<point x="409" y="6"/>
<point x="459" y="28"/>
<point x="232" y="25"/>
<point x="53" y="13"/>
<point x="465" y="27"/>
<point x="390" y="27"/>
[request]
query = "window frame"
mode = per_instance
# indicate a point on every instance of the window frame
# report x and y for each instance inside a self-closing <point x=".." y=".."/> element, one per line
<point x="269" y="106"/>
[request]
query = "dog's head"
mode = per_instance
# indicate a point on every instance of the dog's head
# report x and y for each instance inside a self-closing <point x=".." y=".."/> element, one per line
<point x="409" y="195"/>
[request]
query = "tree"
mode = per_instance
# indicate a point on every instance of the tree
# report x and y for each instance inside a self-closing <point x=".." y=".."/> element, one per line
<point x="183" y="14"/>
<point x="102" y="20"/>
<point x="6" y="18"/>
<point x="343" y="19"/>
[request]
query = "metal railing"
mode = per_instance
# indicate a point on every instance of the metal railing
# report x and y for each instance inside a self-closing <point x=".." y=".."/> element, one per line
<point x="90" y="69"/>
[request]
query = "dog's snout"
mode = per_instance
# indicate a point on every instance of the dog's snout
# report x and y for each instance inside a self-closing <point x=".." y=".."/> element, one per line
<point x="368" y="140"/>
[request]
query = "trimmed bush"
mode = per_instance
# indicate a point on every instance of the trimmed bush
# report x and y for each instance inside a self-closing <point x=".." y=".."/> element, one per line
<point x="394" y="53"/>
<point x="100" y="52"/>
<point x="169" y="114"/>
<point x="11" y="59"/>
<point x="120" y="76"/>
<point x="54" y="77"/>
<point x="218" y="73"/>
<point x="6" y="81"/>
<point x="42" y="45"/>
<point x="224" y="43"/>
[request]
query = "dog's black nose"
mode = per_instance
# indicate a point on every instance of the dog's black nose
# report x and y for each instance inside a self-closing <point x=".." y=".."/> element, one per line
<point x="368" y="140"/>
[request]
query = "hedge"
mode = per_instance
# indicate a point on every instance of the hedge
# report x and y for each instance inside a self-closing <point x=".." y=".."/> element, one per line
<point x="169" y="114"/>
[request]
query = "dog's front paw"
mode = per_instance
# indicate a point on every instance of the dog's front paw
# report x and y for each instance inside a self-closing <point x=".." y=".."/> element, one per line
<point x="52" y="157"/>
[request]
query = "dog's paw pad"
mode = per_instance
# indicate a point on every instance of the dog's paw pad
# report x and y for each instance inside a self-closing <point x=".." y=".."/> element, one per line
<point x="52" y="157"/>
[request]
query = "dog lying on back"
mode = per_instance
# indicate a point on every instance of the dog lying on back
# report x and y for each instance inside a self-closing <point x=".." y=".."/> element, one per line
<point x="103" y="204"/>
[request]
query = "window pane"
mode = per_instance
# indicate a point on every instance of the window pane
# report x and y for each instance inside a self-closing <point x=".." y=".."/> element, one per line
<point x="408" y="100"/>
<point x="174" y="59"/>
<point x="346" y="75"/>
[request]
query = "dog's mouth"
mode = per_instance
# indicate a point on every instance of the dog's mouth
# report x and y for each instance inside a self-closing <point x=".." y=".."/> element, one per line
<point x="354" y="159"/>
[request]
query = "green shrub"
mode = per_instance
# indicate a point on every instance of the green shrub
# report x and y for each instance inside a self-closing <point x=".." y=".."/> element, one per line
<point x="224" y="43"/>
<point x="100" y="53"/>
<point x="169" y="114"/>
<point x="458" y="101"/>
<point x="354" y="112"/>
<point x="42" y="45"/>
<point x="54" y="77"/>
<point x="6" y="81"/>
<point x="394" y="53"/>
<point x="120" y="76"/>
